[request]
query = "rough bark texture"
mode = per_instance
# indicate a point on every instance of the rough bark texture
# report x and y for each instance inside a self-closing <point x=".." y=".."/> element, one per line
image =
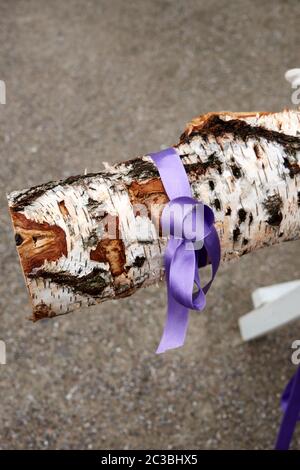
<point x="245" y="166"/>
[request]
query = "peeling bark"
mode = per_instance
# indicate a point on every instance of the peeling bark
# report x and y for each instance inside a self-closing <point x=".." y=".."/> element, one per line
<point x="246" y="166"/>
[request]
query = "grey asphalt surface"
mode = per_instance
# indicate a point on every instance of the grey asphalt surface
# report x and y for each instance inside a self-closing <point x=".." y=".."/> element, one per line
<point x="93" y="81"/>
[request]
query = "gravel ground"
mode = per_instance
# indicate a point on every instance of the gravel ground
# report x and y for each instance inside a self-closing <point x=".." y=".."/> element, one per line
<point x="92" y="81"/>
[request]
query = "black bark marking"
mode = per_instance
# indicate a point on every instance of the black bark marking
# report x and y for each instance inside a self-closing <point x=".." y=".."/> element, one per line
<point x="273" y="205"/>
<point x="250" y="218"/>
<point x="25" y="199"/>
<point x="141" y="169"/>
<point x="139" y="261"/>
<point x="236" y="234"/>
<point x="213" y="162"/>
<point x="196" y="168"/>
<point x="28" y="197"/>
<point x="228" y="211"/>
<point x="215" y="126"/>
<point x="217" y="204"/>
<point x="91" y="284"/>
<point x="257" y="151"/>
<point x="293" y="167"/>
<point x="211" y="185"/>
<point x="92" y="203"/>
<point x="299" y="198"/>
<point x="92" y="240"/>
<point x="236" y="171"/>
<point x="245" y="241"/>
<point x="242" y="215"/>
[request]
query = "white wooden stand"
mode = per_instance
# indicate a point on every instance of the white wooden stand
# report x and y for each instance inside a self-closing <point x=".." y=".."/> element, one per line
<point x="274" y="306"/>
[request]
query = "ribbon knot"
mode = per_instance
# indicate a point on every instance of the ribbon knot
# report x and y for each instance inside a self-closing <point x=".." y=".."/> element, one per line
<point x="192" y="243"/>
<point x="188" y="219"/>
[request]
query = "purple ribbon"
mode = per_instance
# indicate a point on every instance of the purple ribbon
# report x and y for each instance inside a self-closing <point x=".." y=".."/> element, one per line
<point x="183" y="256"/>
<point x="290" y="404"/>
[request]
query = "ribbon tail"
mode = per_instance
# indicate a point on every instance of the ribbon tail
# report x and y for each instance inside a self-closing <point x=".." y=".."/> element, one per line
<point x="291" y="405"/>
<point x="175" y="327"/>
<point x="177" y="314"/>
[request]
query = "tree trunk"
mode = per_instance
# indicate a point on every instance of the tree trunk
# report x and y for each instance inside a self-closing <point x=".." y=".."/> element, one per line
<point x="245" y="166"/>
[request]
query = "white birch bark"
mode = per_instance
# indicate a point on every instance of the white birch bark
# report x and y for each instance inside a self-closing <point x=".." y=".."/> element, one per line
<point x="245" y="166"/>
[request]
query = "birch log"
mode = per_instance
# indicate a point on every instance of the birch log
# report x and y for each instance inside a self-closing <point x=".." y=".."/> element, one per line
<point x="245" y="166"/>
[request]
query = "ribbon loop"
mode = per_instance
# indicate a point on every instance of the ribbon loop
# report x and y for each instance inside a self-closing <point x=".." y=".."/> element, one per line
<point x="192" y="243"/>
